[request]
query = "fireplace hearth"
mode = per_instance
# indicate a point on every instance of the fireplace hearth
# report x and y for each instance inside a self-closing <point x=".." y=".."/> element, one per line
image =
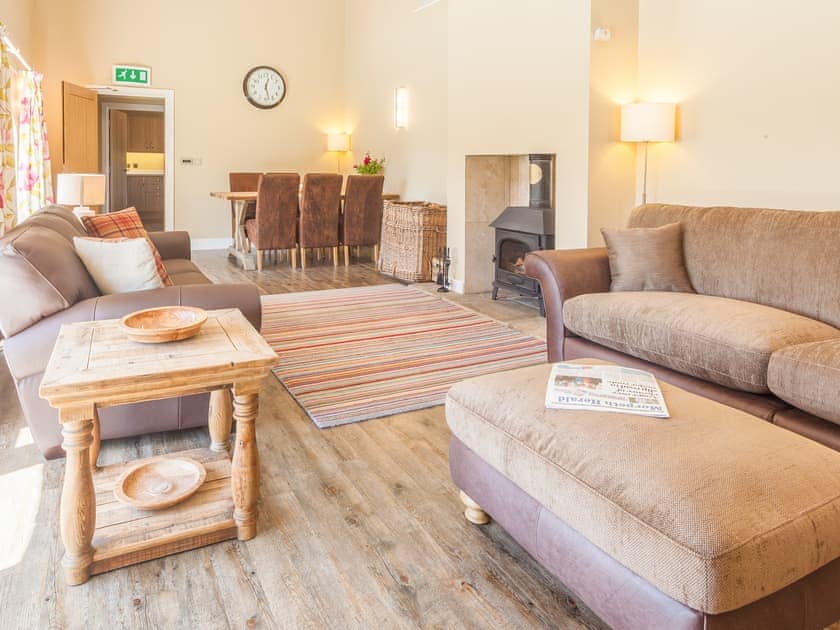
<point x="520" y="230"/>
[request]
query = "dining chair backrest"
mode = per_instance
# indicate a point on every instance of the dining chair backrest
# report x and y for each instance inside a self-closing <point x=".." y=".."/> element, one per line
<point x="320" y="207"/>
<point x="241" y="182"/>
<point x="277" y="210"/>
<point x="362" y="210"/>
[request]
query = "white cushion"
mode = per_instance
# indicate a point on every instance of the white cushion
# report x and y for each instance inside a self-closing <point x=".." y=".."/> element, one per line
<point x="119" y="265"/>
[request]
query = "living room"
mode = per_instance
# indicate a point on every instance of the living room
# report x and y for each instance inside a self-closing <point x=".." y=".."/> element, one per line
<point x="343" y="415"/>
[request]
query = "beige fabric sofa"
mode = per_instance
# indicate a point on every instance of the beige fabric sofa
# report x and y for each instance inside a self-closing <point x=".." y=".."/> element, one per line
<point x="760" y="334"/>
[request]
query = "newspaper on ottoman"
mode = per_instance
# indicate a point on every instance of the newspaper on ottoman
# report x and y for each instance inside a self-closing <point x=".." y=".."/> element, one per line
<point x="605" y="388"/>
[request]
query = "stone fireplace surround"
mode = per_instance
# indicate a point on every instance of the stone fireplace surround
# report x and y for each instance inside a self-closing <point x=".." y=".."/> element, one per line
<point x="493" y="182"/>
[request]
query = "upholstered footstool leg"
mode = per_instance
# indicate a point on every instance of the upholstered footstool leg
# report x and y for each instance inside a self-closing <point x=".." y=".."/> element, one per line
<point x="473" y="512"/>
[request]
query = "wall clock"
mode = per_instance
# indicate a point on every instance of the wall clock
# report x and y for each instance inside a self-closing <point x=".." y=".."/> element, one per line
<point x="264" y="87"/>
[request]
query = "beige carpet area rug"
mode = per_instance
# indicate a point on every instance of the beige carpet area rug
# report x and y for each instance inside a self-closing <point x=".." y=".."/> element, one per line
<point x="348" y="355"/>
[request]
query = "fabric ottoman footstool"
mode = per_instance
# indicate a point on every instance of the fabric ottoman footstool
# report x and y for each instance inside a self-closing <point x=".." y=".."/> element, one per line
<point x="710" y="519"/>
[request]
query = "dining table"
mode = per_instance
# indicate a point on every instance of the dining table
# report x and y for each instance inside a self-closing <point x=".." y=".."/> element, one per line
<point x="240" y="249"/>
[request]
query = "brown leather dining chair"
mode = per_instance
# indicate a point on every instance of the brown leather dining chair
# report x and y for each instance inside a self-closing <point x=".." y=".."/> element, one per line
<point x="241" y="182"/>
<point x="362" y="222"/>
<point x="320" y="206"/>
<point x="274" y="226"/>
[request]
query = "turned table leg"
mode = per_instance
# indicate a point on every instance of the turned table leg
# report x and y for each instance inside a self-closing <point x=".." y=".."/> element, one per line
<point x="245" y="468"/>
<point x="78" y="501"/>
<point x="220" y="419"/>
<point x="94" y="446"/>
<point x="473" y="512"/>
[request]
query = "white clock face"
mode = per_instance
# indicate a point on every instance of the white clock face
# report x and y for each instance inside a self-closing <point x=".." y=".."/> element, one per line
<point x="264" y="87"/>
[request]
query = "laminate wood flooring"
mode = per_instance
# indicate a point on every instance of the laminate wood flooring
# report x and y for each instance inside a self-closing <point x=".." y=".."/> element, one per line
<point x="359" y="525"/>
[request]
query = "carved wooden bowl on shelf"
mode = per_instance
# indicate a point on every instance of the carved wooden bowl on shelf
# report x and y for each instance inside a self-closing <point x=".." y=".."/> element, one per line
<point x="162" y="324"/>
<point x="160" y="483"/>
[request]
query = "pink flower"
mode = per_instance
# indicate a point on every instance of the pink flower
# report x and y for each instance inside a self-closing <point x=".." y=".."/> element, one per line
<point x="367" y="159"/>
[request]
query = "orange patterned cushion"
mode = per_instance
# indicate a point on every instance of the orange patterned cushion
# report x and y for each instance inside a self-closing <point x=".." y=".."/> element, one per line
<point x="124" y="224"/>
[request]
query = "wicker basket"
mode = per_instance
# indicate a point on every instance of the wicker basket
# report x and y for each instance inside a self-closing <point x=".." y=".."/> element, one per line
<point x="413" y="232"/>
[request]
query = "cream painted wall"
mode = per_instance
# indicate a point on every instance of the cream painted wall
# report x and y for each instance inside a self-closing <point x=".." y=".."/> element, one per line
<point x="388" y="45"/>
<point x="518" y="77"/>
<point x="202" y="49"/>
<point x="18" y="15"/>
<point x="757" y="83"/>
<point x="613" y="75"/>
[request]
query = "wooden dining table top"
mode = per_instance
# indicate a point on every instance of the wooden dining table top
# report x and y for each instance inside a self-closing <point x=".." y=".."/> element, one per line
<point x="251" y="195"/>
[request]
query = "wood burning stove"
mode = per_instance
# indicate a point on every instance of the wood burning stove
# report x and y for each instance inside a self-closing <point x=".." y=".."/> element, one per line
<point x="520" y="230"/>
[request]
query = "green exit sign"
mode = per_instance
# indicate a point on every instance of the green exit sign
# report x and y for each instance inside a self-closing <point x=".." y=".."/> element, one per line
<point x="131" y="75"/>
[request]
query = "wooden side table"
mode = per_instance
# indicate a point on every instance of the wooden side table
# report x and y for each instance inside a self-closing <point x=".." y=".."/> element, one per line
<point x="95" y="365"/>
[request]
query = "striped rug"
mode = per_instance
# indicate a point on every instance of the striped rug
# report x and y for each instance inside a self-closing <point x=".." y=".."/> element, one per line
<point x="348" y="355"/>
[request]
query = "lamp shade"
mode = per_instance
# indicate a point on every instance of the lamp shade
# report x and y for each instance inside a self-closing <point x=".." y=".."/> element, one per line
<point x="80" y="189"/>
<point x="338" y="142"/>
<point x="648" y="122"/>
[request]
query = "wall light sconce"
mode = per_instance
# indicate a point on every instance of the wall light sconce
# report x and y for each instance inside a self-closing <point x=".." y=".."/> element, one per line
<point x="401" y="107"/>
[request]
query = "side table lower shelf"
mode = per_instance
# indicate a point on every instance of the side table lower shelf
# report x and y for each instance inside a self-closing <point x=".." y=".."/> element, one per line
<point x="126" y="535"/>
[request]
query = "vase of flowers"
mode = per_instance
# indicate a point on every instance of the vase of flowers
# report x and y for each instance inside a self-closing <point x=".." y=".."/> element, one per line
<point x="369" y="165"/>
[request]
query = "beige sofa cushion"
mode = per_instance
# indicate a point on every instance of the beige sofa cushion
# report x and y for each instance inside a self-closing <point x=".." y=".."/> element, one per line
<point x="713" y="507"/>
<point x="725" y="341"/>
<point x="808" y="377"/>
<point x="647" y="259"/>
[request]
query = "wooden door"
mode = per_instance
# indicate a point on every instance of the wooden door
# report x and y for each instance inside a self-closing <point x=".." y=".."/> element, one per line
<point x="80" y="127"/>
<point x="117" y="145"/>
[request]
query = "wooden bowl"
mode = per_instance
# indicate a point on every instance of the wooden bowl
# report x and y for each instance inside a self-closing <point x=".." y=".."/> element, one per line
<point x="162" y="324"/>
<point x="160" y="483"/>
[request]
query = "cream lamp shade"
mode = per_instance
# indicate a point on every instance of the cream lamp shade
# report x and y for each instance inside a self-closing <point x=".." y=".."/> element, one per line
<point x="338" y="142"/>
<point x="648" y="122"/>
<point x="80" y="190"/>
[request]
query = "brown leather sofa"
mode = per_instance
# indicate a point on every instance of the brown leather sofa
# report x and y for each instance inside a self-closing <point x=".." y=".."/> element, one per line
<point x="761" y="333"/>
<point x="43" y="284"/>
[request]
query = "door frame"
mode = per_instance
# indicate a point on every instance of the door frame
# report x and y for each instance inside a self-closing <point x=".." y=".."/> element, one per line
<point x="168" y="109"/>
<point x="105" y="133"/>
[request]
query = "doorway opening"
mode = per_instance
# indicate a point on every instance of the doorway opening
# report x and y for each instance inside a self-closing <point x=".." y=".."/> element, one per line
<point x="136" y="134"/>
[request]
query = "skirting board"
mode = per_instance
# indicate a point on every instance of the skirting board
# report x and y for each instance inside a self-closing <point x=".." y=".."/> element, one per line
<point x="200" y="244"/>
<point x="457" y="286"/>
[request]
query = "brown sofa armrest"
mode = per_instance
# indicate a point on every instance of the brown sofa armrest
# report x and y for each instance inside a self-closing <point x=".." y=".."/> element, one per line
<point x="172" y="244"/>
<point x="27" y="352"/>
<point x="564" y="274"/>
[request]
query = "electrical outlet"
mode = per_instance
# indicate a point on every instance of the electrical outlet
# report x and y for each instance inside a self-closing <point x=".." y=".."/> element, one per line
<point x="190" y="161"/>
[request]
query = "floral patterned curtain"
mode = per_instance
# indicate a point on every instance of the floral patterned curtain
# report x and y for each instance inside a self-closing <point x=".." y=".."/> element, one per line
<point x="34" y="171"/>
<point x="8" y="209"/>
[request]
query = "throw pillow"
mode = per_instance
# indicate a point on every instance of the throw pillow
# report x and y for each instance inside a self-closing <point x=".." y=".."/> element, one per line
<point x="647" y="259"/>
<point x="124" y="224"/>
<point x="119" y="265"/>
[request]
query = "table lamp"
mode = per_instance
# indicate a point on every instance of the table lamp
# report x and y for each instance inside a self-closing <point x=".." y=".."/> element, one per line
<point x="81" y="190"/>
<point x="338" y="143"/>
<point x="648" y="122"/>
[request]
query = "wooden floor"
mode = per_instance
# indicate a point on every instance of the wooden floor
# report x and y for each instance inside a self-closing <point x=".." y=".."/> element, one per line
<point x="360" y="526"/>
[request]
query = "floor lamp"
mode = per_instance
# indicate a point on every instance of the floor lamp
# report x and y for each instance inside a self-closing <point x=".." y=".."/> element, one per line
<point x="648" y="122"/>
